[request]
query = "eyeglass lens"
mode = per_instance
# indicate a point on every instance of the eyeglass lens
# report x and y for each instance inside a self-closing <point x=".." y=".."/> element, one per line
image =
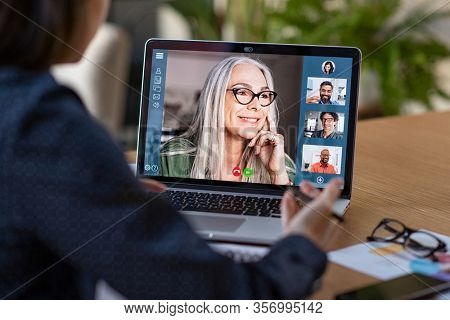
<point x="389" y="230"/>
<point x="245" y="96"/>
<point x="421" y="243"/>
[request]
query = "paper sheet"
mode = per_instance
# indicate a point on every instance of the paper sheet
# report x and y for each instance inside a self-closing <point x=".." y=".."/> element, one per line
<point x="383" y="261"/>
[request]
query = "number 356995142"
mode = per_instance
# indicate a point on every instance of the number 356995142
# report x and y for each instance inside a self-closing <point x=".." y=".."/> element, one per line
<point x="287" y="307"/>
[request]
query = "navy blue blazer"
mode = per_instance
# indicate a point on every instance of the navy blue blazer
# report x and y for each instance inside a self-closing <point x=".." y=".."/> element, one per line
<point x="71" y="212"/>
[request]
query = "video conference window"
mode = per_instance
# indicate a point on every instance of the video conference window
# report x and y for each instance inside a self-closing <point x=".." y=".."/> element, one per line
<point x="227" y="117"/>
<point x="326" y="91"/>
<point x="324" y="125"/>
<point x="322" y="159"/>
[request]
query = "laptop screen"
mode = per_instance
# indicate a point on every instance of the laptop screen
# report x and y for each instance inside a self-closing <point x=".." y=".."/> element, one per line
<point x="268" y="115"/>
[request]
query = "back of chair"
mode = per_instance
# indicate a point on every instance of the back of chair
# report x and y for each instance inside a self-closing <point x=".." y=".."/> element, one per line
<point x="101" y="77"/>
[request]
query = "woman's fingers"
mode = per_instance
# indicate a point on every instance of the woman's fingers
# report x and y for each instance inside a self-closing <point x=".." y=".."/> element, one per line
<point x="256" y="139"/>
<point x="313" y="220"/>
<point x="307" y="188"/>
<point x="153" y="185"/>
<point x="324" y="200"/>
<point x="263" y="139"/>
<point x="253" y="141"/>
<point x="266" y="137"/>
<point x="270" y="124"/>
<point x="289" y="208"/>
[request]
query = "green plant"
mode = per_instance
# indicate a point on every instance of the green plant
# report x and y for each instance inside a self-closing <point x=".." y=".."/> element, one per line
<point x="204" y="21"/>
<point x="401" y="51"/>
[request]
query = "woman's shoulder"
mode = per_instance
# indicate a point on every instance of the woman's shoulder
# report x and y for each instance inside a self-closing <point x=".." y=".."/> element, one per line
<point x="34" y="83"/>
<point x="177" y="157"/>
<point x="33" y="102"/>
<point x="290" y="164"/>
<point x="290" y="168"/>
<point x="53" y="128"/>
<point x="178" y="145"/>
<point x="28" y="93"/>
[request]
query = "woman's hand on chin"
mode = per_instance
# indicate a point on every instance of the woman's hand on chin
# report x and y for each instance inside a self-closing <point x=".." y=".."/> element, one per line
<point x="269" y="146"/>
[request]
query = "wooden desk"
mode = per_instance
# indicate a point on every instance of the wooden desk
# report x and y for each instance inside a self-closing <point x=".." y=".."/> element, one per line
<point x="402" y="171"/>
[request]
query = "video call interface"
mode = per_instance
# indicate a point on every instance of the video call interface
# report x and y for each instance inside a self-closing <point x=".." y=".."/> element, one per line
<point x="255" y="118"/>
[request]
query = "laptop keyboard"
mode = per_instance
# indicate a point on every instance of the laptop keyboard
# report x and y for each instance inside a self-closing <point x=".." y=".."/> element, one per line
<point x="224" y="203"/>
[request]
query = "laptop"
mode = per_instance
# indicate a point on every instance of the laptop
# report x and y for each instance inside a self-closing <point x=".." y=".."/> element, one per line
<point x="228" y="127"/>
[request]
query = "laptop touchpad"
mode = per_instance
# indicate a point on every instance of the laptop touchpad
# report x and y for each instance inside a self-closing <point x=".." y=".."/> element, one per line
<point x="203" y="223"/>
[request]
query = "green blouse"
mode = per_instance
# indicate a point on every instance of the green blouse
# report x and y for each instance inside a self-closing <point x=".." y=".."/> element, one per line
<point x="177" y="158"/>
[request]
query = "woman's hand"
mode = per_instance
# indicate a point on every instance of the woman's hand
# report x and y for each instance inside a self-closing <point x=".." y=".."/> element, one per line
<point x="313" y="219"/>
<point x="153" y="185"/>
<point x="269" y="146"/>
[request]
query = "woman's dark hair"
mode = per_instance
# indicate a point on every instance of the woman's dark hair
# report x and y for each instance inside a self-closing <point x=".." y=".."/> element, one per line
<point x="35" y="32"/>
<point x="331" y="66"/>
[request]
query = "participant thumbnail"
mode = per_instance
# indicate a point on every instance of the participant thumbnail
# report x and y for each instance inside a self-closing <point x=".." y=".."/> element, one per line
<point x="326" y="91"/>
<point x="322" y="159"/>
<point x="325" y="125"/>
<point x="328" y="67"/>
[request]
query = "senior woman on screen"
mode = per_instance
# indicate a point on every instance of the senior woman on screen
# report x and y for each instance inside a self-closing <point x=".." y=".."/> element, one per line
<point x="235" y="125"/>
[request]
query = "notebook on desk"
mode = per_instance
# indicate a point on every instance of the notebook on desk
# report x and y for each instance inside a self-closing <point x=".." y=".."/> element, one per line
<point x="230" y="126"/>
